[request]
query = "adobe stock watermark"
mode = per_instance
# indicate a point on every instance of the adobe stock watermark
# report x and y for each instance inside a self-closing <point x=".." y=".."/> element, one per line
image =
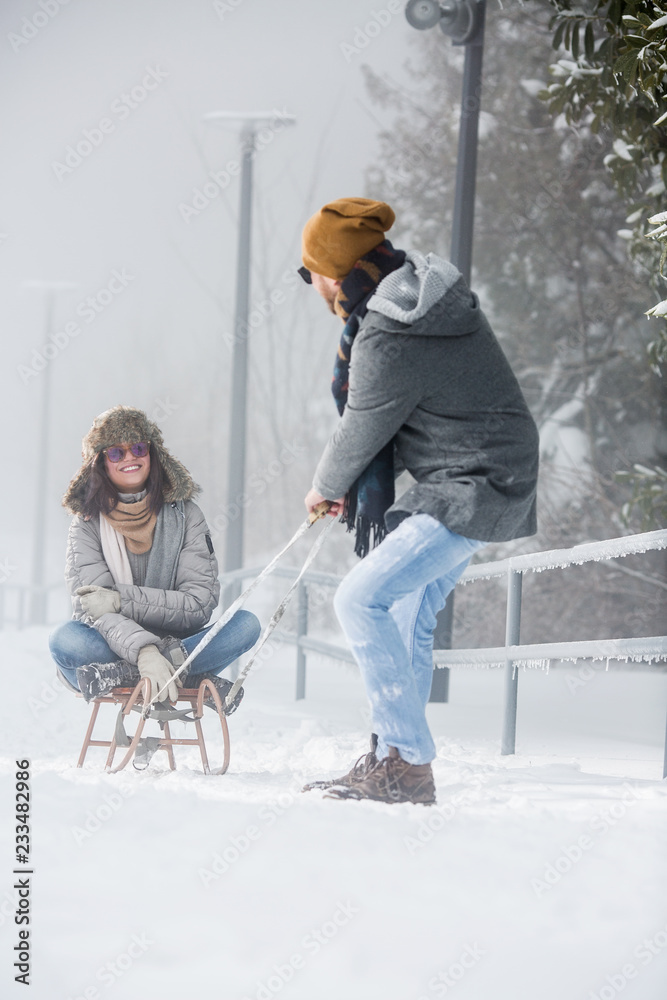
<point x="268" y="651"/>
<point x="554" y="187"/>
<point x="584" y="675"/>
<point x="7" y="570"/>
<point x="219" y="180"/>
<point x="31" y="26"/>
<point x="162" y="409"/>
<point x="364" y="34"/>
<point x="415" y="155"/>
<point x="573" y="853"/>
<point x="109" y="973"/>
<point x="439" y="815"/>
<point x="312" y="944"/>
<point x="121" y="109"/>
<point x="264" y="308"/>
<point x="88" y="310"/>
<point x="441" y="984"/>
<point x="8" y="906"/>
<point x="237" y="847"/>
<point x="644" y="952"/>
<point x="94" y="819"/>
<point x="49" y="692"/>
<point x="258" y="484"/>
<point x="223" y="7"/>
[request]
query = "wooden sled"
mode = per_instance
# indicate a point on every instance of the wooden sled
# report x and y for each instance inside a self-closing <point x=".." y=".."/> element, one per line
<point x="128" y="698"/>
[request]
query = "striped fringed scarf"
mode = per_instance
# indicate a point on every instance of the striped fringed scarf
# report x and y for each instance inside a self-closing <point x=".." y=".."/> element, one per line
<point x="373" y="492"/>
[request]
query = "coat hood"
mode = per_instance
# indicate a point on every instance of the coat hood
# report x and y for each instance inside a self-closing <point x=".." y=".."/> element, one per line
<point x="127" y="425"/>
<point x="429" y="295"/>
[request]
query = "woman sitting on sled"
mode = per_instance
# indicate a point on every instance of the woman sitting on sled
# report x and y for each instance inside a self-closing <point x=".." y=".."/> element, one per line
<point x="140" y="569"/>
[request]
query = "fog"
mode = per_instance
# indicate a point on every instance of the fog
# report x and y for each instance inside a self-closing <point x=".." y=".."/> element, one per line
<point x="123" y="199"/>
<point x="106" y="156"/>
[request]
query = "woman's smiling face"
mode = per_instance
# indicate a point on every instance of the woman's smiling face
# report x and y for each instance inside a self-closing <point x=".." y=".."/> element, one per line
<point x="130" y="473"/>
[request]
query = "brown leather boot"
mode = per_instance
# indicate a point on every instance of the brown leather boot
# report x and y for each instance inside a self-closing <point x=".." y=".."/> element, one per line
<point x="359" y="770"/>
<point x="392" y="780"/>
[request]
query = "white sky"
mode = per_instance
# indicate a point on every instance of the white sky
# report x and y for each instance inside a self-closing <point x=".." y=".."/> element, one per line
<point x="161" y="336"/>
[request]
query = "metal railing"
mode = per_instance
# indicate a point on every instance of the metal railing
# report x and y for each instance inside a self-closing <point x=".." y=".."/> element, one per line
<point x="512" y="655"/>
<point x="19" y="601"/>
<point x="304" y="642"/>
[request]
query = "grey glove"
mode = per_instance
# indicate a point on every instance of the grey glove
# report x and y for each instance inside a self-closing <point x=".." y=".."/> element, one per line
<point x="159" y="671"/>
<point x="98" y="601"/>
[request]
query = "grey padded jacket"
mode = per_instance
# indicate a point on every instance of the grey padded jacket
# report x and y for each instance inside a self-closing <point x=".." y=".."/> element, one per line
<point x="181" y="590"/>
<point x="427" y="371"/>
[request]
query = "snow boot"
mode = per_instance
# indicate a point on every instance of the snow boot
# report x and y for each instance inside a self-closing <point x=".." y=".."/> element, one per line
<point x="174" y="650"/>
<point x="223" y="687"/>
<point x="360" y="770"/>
<point x="392" y="780"/>
<point x="98" y="679"/>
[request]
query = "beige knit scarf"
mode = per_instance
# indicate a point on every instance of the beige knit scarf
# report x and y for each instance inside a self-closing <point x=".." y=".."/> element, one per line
<point x="136" y="522"/>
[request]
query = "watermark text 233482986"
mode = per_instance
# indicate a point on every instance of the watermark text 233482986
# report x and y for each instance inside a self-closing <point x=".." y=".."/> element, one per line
<point x="22" y="811"/>
<point x="22" y="884"/>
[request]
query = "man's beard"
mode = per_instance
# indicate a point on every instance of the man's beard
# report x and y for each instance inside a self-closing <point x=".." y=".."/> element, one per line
<point x="330" y="299"/>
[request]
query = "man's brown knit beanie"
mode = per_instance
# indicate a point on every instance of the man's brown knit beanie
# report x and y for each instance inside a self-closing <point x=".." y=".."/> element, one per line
<point x="343" y="231"/>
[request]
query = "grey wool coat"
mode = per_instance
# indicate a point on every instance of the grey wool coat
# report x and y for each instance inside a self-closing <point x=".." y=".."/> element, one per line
<point x="181" y="590"/>
<point x="427" y="371"/>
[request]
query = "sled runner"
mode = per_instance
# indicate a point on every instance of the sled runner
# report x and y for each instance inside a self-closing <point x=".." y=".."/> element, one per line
<point x="135" y="699"/>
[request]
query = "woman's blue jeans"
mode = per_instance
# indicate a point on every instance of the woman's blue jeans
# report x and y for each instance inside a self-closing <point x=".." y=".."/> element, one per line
<point x="75" y="644"/>
<point x="387" y="607"/>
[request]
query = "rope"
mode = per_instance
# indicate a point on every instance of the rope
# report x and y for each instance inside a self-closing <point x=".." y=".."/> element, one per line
<point x="277" y="615"/>
<point x="242" y="598"/>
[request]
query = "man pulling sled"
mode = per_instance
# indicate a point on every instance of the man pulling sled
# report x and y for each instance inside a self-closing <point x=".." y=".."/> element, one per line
<point x="422" y="384"/>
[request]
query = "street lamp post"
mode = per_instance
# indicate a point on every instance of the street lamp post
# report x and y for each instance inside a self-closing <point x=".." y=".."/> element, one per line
<point x="251" y="124"/>
<point x="463" y="21"/>
<point x="37" y="612"/>
<point x="466" y="165"/>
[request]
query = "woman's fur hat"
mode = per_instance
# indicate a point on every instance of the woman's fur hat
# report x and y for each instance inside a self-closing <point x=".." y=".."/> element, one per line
<point x="127" y="425"/>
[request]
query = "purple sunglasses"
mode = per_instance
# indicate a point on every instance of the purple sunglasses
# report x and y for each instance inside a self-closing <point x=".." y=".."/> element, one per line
<point x="116" y="453"/>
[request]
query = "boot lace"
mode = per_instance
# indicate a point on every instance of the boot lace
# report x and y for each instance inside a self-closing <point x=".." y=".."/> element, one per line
<point x="385" y="775"/>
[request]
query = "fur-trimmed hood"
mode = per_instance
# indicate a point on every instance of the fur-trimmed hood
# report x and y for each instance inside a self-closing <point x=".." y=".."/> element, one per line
<point x="127" y="425"/>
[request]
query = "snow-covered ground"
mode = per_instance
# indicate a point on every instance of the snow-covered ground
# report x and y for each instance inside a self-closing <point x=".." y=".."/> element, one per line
<point x="541" y="876"/>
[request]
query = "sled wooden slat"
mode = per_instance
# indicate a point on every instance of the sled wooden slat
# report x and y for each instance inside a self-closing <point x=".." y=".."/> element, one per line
<point x="127" y="697"/>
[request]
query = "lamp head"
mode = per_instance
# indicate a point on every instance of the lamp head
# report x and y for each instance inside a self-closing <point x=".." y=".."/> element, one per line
<point x="460" y="19"/>
<point x="423" y="14"/>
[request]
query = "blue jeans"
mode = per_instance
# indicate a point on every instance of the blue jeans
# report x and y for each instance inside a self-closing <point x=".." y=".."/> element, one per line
<point x="387" y="607"/>
<point x="75" y="644"/>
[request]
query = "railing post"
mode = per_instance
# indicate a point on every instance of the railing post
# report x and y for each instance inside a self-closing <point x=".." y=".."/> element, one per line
<point x="512" y="638"/>
<point x="24" y="602"/>
<point x="301" y="629"/>
<point x="442" y="639"/>
<point x="231" y="590"/>
<point x="664" y="766"/>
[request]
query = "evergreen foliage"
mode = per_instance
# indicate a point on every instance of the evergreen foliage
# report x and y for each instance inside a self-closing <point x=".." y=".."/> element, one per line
<point x="549" y="264"/>
<point x="617" y="79"/>
<point x="552" y="269"/>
